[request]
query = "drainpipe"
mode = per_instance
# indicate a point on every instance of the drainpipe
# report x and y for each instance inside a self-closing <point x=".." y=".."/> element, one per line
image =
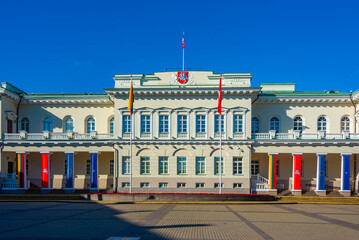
<point x="355" y="130"/>
<point x="17" y="112"/>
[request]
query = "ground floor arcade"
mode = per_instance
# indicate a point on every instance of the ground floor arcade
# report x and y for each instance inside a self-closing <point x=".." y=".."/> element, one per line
<point x="183" y="168"/>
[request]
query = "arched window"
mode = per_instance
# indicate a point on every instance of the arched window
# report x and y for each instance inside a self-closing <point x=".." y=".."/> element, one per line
<point x="25" y="124"/>
<point x="255" y="125"/>
<point x="298" y="124"/>
<point x="322" y="124"/>
<point x="91" y="124"/>
<point x="111" y="125"/>
<point x="69" y="124"/>
<point x="47" y="125"/>
<point x="274" y="124"/>
<point x="345" y="124"/>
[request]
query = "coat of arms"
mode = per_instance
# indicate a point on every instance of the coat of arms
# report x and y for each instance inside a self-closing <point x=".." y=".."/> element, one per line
<point x="182" y="78"/>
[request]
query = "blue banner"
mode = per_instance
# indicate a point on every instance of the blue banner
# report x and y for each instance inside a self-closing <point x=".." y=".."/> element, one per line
<point x="70" y="170"/>
<point x="345" y="172"/>
<point x="321" y="172"/>
<point x="93" y="170"/>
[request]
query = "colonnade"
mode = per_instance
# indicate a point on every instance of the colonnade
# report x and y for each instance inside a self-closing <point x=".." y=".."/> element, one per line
<point x="45" y="170"/>
<point x="320" y="176"/>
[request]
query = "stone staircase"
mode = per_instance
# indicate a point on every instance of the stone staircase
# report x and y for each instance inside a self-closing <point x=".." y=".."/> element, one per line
<point x="259" y="184"/>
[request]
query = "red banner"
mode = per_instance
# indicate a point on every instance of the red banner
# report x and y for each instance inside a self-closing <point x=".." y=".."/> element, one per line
<point x="296" y="171"/>
<point x="45" y="170"/>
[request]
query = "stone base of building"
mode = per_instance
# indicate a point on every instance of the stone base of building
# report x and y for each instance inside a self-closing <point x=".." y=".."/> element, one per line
<point x="13" y="190"/>
<point x="272" y="192"/>
<point x="93" y="190"/>
<point x="45" y="190"/>
<point x="69" y="190"/>
<point x="321" y="193"/>
<point x="296" y="192"/>
<point x="345" y="193"/>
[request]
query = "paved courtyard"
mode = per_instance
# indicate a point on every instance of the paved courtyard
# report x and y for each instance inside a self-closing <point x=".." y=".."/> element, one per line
<point x="49" y="220"/>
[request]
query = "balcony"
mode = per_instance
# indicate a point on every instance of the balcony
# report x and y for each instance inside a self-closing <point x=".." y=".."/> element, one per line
<point x="305" y="136"/>
<point x="57" y="136"/>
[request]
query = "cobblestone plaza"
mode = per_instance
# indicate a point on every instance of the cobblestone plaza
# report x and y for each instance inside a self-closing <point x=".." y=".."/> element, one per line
<point x="50" y="220"/>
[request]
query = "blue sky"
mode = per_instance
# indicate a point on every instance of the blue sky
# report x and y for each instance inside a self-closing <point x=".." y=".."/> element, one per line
<point x="78" y="46"/>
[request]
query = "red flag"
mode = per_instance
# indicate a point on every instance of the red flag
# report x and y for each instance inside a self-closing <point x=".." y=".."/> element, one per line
<point x="219" y="110"/>
<point x="131" y="98"/>
<point x="183" y="40"/>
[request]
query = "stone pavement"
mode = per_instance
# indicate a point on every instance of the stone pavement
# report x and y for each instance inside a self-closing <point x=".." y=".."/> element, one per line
<point x="50" y="220"/>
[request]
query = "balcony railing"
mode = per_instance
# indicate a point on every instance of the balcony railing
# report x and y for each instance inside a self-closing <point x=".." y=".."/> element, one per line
<point x="305" y="136"/>
<point x="147" y="136"/>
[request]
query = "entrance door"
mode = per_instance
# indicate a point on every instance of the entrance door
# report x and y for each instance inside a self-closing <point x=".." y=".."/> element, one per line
<point x="10" y="167"/>
<point x="254" y="167"/>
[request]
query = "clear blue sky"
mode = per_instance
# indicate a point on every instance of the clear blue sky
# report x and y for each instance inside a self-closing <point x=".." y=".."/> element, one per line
<point x="78" y="46"/>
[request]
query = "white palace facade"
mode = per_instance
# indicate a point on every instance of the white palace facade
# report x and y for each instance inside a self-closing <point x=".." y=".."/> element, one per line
<point x="273" y="137"/>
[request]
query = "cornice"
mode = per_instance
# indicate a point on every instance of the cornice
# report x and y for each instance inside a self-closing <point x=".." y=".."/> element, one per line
<point x="302" y="99"/>
<point x="335" y="142"/>
<point x="8" y="94"/>
<point x="92" y="101"/>
<point x="183" y="91"/>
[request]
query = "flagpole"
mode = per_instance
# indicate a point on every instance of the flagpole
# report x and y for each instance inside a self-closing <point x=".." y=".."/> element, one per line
<point x="183" y="53"/>
<point x="131" y="128"/>
<point x="220" y="150"/>
<point x="220" y="154"/>
<point x="131" y="153"/>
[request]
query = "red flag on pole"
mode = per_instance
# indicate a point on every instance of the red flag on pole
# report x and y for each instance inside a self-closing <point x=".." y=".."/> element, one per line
<point x="219" y="110"/>
<point x="131" y="98"/>
<point x="183" y="40"/>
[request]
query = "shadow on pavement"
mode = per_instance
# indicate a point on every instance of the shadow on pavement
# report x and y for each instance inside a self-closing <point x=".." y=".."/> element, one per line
<point x="50" y="220"/>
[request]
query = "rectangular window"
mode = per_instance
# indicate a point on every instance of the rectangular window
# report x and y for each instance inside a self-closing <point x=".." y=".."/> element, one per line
<point x="111" y="167"/>
<point x="216" y="166"/>
<point x="301" y="168"/>
<point x="217" y="120"/>
<point x="237" y="123"/>
<point x="326" y="168"/>
<point x="126" y="121"/>
<point x="163" y="185"/>
<point x="255" y="167"/>
<point x="200" y="165"/>
<point x="163" y="165"/>
<point x="237" y="185"/>
<point x="200" y="123"/>
<point x="199" y="185"/>
<point x="278" y="168"/>
<point x="27" y="168"/>
<point x="145" y="165"/>
<point x="126" y="165"/>
<point x="145" y="124"/>
<point x="182" y="124"/>
<point x="126" y="184"/>
<point x="237" y="166"/>
<point x="216" y="185"/>
<point x="164" y="124"/>
<point x="88" y="167"/>
<point x="181" y="185"/>
<point x="144" y="185"/>
<point x="181" y="165"/>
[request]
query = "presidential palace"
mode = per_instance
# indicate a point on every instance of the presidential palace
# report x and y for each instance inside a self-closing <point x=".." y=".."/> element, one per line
<point x="274" y="139"/>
